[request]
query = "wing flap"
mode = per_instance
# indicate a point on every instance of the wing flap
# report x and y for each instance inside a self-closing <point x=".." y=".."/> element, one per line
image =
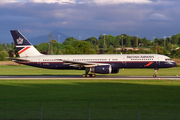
<point x="82" y="63"/>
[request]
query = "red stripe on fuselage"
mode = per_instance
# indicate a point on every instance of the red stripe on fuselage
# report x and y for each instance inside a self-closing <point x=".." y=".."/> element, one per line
<point x="149" y="64"/>
<point x="23" y="50"/>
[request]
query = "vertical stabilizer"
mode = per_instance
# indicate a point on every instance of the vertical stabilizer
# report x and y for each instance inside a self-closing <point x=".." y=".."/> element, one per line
<point x="24" y="47"/>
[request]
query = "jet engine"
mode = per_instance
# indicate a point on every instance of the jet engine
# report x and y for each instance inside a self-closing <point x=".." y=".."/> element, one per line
<point x="104" y="69"/>
<point x="115" y="71"/>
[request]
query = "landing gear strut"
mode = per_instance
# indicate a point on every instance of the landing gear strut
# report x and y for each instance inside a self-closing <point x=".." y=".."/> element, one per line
<point x="155" y="72"/>
<point x="88" y="75"/>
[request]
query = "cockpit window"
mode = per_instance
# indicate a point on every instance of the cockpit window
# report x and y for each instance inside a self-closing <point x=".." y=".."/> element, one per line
<point x="168" y="59"/>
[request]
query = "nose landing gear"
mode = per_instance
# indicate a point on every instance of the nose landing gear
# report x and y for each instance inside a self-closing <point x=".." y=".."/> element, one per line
<point x="155" y="72"/>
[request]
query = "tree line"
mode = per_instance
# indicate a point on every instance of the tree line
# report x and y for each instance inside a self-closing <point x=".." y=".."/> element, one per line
<point x="105" y="44"/>
<point x="108" y="44"/>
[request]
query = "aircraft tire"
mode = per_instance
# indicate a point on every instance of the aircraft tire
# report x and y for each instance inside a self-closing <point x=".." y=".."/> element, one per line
<point x="84" y="75"/>
<point x="154" y="76"/>
<point x="88" y="75"/>
<point x="93" y="75"/>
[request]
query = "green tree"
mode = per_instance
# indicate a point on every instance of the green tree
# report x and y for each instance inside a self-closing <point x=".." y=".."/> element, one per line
<point x="117" y="42"/>
<point x="69" y="41"/>
<point x="141" y="51"/>
<point x="83" y="47"/>
<point x="174" y="39"/>
<point x="111" y="49"/>
<point x="109" y="40"/>
<point x="3" y="46"/>
<point x="8" y="47"/>
<point x="3" y="54"/>
<point x="128" y="41"/>
<point x="96" y="47"/>
<point x="133" y="41"/>
<point x="144" y="42"/>
<point x="101" y="41"/>
<point x="43" y="47"/>
<point x="69" y="49"/>
<point x="92" y="40"/>
<point x="57" y="47"/>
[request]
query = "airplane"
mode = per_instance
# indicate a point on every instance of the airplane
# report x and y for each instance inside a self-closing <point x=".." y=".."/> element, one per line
<point x="101" y="63"/>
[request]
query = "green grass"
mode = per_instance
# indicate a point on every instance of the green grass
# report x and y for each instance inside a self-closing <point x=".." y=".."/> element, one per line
<point x="105" y="98"/>
<point x="27" y="70"/>
<point x="71" y="99"/>
<point x="52" y="93"/>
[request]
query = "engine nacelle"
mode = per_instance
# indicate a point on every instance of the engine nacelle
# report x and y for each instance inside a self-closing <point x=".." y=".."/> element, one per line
<point x="115" y="71"/>
<point x="104" y="69"/>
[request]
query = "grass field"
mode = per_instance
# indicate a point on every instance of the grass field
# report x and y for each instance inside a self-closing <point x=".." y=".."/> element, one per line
<point x="108" y="99"/>
<point x="110" y="94"/>
<point x="27" y="70"/>
<point x="99" y="94"/>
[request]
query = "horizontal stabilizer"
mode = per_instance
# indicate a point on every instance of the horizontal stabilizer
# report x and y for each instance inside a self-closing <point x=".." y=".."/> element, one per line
<point x="17" y="59"/>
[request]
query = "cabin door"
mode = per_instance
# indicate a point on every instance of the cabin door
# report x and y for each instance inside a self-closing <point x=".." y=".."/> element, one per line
<point x="124" y="61"/>
<point x="39" y="62"/>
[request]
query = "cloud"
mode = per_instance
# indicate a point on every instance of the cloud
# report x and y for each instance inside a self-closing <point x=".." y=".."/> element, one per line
<point x="98" y="2"/>
<point x="68" y="17"/>
<point x="8" y="1"/>
<point x="102" y="2"/>
<point x="158" y="17"/>
<point x="89" y="18"/>
<point x="53" y="1"/>
<point x="120" y="1"/>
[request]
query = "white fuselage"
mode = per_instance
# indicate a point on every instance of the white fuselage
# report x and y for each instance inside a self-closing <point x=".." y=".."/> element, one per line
<point x="115" y="60"/>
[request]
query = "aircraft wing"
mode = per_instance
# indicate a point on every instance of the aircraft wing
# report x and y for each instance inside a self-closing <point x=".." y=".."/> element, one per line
<point x="82" y="64"/>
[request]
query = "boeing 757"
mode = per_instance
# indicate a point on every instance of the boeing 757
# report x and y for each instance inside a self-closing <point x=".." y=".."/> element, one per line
<point x="101" y="63"/>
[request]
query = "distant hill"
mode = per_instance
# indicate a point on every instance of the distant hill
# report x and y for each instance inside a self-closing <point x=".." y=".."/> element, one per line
<point x="45" y="38"/>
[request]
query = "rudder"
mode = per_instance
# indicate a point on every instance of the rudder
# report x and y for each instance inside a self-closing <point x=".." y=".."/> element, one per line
<point x="24" y="47"/>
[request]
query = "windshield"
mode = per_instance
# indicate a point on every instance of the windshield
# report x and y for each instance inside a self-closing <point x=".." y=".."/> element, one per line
<point x="168" y="59"/>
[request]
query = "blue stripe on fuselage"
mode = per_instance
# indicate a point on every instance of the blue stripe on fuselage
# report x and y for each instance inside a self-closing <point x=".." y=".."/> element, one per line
<point x="115" y="65"/>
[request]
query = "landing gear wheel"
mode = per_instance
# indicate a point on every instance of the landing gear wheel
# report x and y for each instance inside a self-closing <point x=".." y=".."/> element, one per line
<point x="154" y="76"/>
<point x="88" y="75"/>
<point x="93" y="75"/>
<point x="84" y="75"/>
<point x="155" y="72"/>
<point x="87" y="69"/>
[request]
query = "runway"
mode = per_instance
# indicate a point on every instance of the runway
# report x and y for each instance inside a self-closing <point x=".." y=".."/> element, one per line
<point x="78" y="77"/>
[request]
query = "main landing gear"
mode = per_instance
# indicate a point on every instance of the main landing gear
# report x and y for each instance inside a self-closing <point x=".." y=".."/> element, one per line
<point x="155" y="72"/>
<point x="88" y="75"/>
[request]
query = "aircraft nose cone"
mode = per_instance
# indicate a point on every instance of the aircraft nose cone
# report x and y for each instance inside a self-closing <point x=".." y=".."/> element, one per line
<point x="174" y="64"/>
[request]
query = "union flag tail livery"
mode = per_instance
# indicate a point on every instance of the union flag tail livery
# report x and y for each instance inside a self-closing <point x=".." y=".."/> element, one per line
<point x="24" y="47"/>
<point x="101" y="64"/>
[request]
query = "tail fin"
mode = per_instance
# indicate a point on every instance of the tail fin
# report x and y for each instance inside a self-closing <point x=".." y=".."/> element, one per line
<point x="24" y="47"/>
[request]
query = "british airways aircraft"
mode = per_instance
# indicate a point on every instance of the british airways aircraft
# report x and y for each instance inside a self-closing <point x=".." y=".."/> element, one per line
<point x="102" y="64"/>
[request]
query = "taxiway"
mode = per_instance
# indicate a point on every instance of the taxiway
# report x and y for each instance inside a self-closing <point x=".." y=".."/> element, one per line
<point x="78" y="77"/>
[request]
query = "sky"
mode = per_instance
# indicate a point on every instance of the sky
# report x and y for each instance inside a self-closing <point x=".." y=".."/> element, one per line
<point x="90" y="18"/>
